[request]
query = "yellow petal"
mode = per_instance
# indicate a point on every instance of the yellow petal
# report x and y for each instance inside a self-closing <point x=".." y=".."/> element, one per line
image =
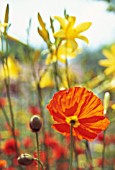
<point x="113" y="49"/>
<point x="109" y="70"/>
<point x="73" y="43"/>
<point x="12" y="71"/>
<point x="60" y="34"/>
<point x="108" y="54"/>
<point x="67" y="50"/>
<point x="46" y="80"/>
<point x="105" y="63"/>
<point x="83" y="38"/>
<point x="71" y="21"/>
<point x="62" y="21"/>
<point x="82" y="27"/>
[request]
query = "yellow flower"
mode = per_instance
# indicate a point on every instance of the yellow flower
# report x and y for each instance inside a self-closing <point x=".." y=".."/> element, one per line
<point x="65" y="50"/>
<point x="69" y="32"/>
<point x="46" y="80"/>
<point x="113" y="106"/>
<point x="110" y="61"/>
<point x="43" y="31"/>
<point x="12" y="70"/>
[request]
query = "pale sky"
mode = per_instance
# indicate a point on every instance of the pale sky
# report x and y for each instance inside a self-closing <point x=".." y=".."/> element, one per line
<point x="101" y="32"/>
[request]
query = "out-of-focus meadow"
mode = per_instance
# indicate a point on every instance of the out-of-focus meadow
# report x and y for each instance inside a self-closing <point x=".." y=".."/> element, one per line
<point x="29" y="77"/>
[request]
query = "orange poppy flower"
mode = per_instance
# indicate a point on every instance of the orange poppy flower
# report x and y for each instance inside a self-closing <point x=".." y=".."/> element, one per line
<point x="79" y="107"/>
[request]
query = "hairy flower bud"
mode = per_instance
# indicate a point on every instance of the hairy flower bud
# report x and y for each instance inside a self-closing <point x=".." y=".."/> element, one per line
<point x="106" y="101"/>
<point x="25" y="159"/>
<point x="35" y="123"/>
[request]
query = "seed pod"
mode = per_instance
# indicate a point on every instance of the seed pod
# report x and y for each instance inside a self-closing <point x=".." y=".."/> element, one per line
<point x="35" y="123"/>
<point x="25" y="159"/>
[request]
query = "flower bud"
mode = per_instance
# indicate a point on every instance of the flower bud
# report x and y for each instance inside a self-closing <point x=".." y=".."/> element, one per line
<point x="106" y="101"/>
<point x="25" y="159"/>
<point x="35" y="123"/>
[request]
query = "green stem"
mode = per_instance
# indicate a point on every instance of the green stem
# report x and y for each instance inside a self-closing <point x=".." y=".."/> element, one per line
<point x="6" y="117"/>
<point x="76" y="157"/>
<point x="37" y="142"/>
<point x="88" y="154"/>
<point x="66" y="71"/>
<point x="7" y="84"/>
<point x="56" y="75"/>
<point x="71" y="146"/>
<point x="36" y="159"/>
<point x="103" y="151"/>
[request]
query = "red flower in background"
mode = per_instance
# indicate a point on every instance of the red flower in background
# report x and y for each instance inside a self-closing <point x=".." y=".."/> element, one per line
<point x="34" y="110"/>
<point x="3" y="164"/>
<point x="27" y="142"/>
<point x="101" y="138"/>
<point x="57" y="150"/>
<point x="2" y="102"/>
<point x="79" y="107"/>
<point x="10" y="146"/>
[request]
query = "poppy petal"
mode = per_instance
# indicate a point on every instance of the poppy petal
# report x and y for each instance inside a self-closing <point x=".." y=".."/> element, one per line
<point x="95" y="123"/>
<point x="63" y="128"/>
<point x="83" y="133"/>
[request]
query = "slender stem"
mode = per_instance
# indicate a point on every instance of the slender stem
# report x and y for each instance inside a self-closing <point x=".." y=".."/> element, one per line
<point x="7" y="83"/>
<point x="71" y="146"/>
<point x="6" y="117"/>
<point x="56" y="67"/>
<point x="66" y="71"/>
<point x="103" y="151"/>
<point x="36" y="159"/>
<point x="43" y="129"/>
<point x="88" y="153"/>
<point x="56" y="74"/>
<point x="37" y="142"/>
<point x="76" y="157"/>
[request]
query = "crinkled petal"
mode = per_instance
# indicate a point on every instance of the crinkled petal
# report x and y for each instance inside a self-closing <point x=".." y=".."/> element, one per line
<point x="83" y="133"/>
<point x="63" y="128"/>
<point x="95" y="123"/>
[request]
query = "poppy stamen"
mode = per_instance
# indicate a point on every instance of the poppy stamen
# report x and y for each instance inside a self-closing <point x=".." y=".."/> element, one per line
<point x="72" y="120"/>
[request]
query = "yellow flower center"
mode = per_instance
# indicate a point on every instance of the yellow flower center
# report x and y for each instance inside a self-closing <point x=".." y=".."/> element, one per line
<point x="72" y="120"/>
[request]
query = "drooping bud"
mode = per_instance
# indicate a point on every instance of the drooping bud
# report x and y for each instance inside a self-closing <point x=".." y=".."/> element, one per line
<point x="25" y="159"/>
<point x="35" y="123"/>
<point x="106" y="101"/>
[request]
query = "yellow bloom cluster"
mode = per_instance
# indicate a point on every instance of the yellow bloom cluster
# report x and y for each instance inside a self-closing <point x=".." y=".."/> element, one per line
<point x="67" y="47"/>
<point x="109" y="62"/>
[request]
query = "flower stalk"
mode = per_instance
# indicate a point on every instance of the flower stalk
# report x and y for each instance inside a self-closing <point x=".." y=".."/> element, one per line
<point x="37" y="142"/>
<point x="71" y="146"/>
